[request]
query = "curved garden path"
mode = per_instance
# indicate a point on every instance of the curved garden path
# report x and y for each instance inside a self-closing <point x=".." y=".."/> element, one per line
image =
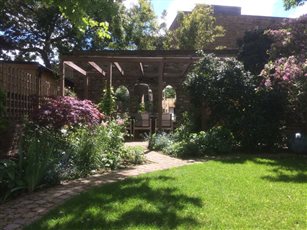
<point x="22" y="211"/>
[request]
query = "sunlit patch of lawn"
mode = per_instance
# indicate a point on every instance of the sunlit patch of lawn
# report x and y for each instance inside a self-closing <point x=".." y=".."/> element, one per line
<point x="235" y="193"/>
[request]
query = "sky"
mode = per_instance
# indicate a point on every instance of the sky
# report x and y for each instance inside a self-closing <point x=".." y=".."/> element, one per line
<point x="248" y="7"/>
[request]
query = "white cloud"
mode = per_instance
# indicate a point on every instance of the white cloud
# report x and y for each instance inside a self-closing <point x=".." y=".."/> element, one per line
<point x="299" y="11"/>
<point x="249" y="7"/>
<point x="129" y="3"/>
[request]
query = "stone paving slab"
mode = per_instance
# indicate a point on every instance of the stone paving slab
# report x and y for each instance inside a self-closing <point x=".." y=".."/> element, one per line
<point x="17" y="213"/>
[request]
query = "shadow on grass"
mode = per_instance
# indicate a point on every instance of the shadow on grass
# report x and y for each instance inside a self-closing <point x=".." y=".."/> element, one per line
<point x="133" y="202"/>
<point x="284" y="167"/>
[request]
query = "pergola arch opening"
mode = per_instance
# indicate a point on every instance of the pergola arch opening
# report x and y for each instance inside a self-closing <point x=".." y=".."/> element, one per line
<point x="122" y="97"/>
<point x="169" y="101"/>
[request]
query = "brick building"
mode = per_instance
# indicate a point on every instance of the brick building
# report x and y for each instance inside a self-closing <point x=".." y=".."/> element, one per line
<point x="235" y="25"/>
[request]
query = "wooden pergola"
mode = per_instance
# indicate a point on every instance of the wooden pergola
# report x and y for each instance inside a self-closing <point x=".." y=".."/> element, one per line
<point x="158" y="67"/>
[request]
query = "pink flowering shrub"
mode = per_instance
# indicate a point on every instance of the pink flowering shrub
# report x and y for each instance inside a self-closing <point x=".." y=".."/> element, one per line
<point x="67" y="111"/>
<point x="289" y="39"/>
<point x="288" y="53"/>
<point x="286" y="73"/>
<point x="283" y="71"/>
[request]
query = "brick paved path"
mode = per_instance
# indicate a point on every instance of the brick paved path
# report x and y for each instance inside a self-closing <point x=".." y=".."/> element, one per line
<point x="19" y="212"/>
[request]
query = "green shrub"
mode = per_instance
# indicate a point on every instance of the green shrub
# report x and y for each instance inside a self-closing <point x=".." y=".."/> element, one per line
<point x="83" y="148"/>
<point x="233" y="98"/>
<point x="159" y="141"/>
<point x="176" y="149"/>
<point x="218" y="140"/>
<point x="37" y="155"/>
<point x="107" y="105"/>
<point x="133" y="155"/>
<point x="47" y="156"/>
<point x="10" y="179"/>
<point x="110" y="143"/>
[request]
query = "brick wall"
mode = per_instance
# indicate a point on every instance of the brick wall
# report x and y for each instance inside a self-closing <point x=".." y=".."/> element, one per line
<point x="235" y="25"/>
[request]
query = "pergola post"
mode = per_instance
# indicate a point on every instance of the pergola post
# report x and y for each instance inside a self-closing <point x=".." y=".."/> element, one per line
<point x="160" y="88"/>
<point x="110" y="73"/>
<point x="86" y="84"/>
<point x="62" y="80"/>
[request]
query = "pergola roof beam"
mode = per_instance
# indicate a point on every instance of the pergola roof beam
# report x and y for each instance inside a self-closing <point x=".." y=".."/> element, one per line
<point x="117" y="59"/>
<point x="97" y="67"/>
<point x="75" y="67"/>
<point x="186" y="70"/>
<point x="142" y="69"/>
<point x="119" y="68"/>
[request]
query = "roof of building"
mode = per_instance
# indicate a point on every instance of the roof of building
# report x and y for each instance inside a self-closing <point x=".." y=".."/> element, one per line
<point x="36" y="65"/>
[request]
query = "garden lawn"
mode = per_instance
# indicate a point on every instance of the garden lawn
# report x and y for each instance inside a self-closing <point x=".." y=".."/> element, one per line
<point x="235" y="193"/>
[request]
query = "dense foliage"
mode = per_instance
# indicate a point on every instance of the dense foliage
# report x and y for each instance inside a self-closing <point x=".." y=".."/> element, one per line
<point x="169" y="92"/>
<point x="228" y="94"/>
<point x="44" y="29"/>
<point x="253" y="51"/>
<point x="183" y="143"/>
<point x="107" y="102"/>
<point x="286" y="72"/>
<point x="66" y="139"/>
<point x="195" y="30"/>
<point x="67" y="111"/>
<point x="122" y="98"/>
<point x="288" y="4"/>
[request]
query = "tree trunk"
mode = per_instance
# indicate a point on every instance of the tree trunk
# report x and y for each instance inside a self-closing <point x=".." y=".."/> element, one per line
<point x="46" y="59"/>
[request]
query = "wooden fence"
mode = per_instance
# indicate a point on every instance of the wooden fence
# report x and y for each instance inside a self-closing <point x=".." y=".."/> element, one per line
<point x="23" y="90"/>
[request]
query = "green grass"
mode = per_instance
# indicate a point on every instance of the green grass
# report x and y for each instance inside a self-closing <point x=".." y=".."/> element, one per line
<point x="235" y="193"/>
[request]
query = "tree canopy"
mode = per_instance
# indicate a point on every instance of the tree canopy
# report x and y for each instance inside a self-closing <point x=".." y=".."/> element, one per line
<point x="45" y="29"/>
<point x="253" y="50"/>
<point x="80" y="13"/>
<point x="32" y="29"/>
<point x="288" y="4"/>
<point x="195" y="30"/>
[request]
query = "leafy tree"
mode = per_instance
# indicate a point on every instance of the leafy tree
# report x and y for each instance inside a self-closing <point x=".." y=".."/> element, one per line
<point x="80" y="13"/>
<point x="196" y="30"/>
<point x="253" y="50"/>
<point x="169" y="92"/>
<point x="134" y="28"/>
<point x="288" y="4"/>
<point x="33" y="28"/>
<point x="161" y="38"/>
<point x="47" y="28"/>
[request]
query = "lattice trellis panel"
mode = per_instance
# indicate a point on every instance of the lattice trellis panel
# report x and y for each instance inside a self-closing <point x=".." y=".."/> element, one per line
<point x="23" y="90"/>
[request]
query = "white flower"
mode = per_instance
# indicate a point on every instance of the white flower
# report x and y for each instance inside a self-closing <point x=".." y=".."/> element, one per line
<point x="63" y="131"/>
<point x="47" y="112"/>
